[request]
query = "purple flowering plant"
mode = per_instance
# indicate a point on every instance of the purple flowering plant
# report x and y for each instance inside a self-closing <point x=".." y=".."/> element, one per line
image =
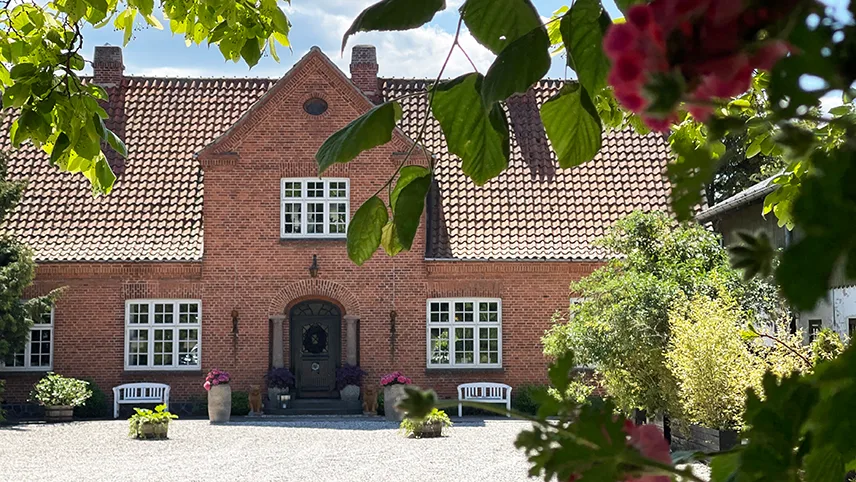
<point x="216" y="377"/>
<point x="349" y="375"/>
<point x="280" y="378"/>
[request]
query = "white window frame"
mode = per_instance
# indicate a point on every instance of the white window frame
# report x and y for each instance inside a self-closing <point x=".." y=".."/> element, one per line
<point x="151" y="326"/>
<point x="27" y="362"/>
<point x="304" y="200"/>
<point x="451" y="325"/>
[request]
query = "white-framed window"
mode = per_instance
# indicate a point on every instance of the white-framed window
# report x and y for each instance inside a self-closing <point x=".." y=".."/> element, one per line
<point x="814" y="327"/>
<point x="464" y="332"/>
<point x="38" y="353"/>
<point x="314" y="208"/>
<point x="163" y="334"/>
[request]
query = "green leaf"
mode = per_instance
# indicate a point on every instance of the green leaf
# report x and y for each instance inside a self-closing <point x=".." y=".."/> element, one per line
<point x="100" y="129"/>
<point x="625" y="5"/>
<point x="394" y="15"/>
<point x="372" y="129"/>
<point x="497" y="23"/>
<point x="689" y="173"/>
<point x="20" y="71"/>
<point x="572" y="125"/>
<point x="471" y="132"/>
<point x="748" y="335"/>
<point x="364" y="231"/>
<point x="60" y="147"/>
<point x="407" y="175"/>
<point x="824" y="464"/>
<point x="105" y="175"/>
<point x="723" y="467"/>
<point x="389" y="240"/>
<point x="560" y="371"/>
<point x="116" y="143"/>
<point x="408" y="207"/>
<point x="521" y="64"/>
<point x="582" y="35"/>
<point x="251" y="51"/>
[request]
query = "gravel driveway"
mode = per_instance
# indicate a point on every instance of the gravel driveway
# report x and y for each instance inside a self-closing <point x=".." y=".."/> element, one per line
<point x="310" y="449"/>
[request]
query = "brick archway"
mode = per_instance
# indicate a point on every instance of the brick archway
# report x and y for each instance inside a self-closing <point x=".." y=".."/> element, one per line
<point x="314" y="287"/>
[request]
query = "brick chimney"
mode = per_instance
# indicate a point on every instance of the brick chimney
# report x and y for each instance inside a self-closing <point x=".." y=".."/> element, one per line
<point x="107" y="66"/>
<point x="364" y="71"/>
<point x="108" y="71"/>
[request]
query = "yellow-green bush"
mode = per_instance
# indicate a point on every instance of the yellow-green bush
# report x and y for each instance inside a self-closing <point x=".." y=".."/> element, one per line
<point x="712" y="364"/>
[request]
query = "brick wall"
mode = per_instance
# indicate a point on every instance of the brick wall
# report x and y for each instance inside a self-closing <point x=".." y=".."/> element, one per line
<point x="248" y="269"/>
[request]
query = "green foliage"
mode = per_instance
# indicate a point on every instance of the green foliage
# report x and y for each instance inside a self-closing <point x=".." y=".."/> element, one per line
<point x="827" y="345"/>
<point x="240" y="403"/>
<point x="394" y="15"/>
<point x="711" y="363"/>
<point x="524" y="398"/>
<point x="407" y="201"/>
<point x="477" y="135"/>
<point x="572" y="125"/>
<point x="582" y="32"/>
<point x="372" y="129"/>
<point x="96" y="406"/>
<point x="160" y="417"/>
<point x="364" y="231"/>
<point x="622" y="326"/>
<point x="418" y="427"/>
<point x="41" y="69"/>
<point x="528" y="55"/>
<point x="497" y="23"/>
<point x="57" y="390"/>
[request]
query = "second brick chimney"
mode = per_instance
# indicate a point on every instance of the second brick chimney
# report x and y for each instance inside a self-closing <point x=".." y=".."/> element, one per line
<point x="108" y="71"/>
<point x="364" y="71"/>
<point x="107" y="66"/>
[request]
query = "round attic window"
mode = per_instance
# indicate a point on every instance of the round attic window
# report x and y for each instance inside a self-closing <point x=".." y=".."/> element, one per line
<point x="315" y="106"/>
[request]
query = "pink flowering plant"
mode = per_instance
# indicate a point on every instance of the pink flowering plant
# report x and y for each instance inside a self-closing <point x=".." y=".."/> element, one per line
<point x="395" y="378"/>
<point x="216" y="377"/>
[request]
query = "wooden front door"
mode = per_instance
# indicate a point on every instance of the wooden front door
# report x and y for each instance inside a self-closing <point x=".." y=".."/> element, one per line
<point x="315" y="348"/>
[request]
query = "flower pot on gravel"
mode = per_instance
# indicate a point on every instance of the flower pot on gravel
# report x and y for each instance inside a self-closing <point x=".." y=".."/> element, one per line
<point x="148" y="424"/>
<point x="220" y="403"/>
<point x="153" y="431"/>
<point x="350" y="393"/>
<point x="59" y="413"/>
<point x="391" y="396"/>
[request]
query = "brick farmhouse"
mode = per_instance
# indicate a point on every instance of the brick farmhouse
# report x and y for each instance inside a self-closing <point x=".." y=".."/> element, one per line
<point x="201" y="256"/>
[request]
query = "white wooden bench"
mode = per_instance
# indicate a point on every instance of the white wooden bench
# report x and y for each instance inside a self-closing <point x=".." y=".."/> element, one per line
<point x="139" y="393"/>
<point x="484" y="392"/>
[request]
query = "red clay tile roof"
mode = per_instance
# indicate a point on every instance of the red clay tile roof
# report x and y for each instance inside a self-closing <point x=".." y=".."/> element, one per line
<point x="532" y="211"/>
<point x="535" y="210"/>
<point x="155" y="210"/>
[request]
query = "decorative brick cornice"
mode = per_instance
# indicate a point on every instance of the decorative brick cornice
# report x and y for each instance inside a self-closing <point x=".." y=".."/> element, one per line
<point x="467" y="288"/>
<point x="315" y="287"/>
<point x="443" y="268"/>
<point x="179" y="270"/>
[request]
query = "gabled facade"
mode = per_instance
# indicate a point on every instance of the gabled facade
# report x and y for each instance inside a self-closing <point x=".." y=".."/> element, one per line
<point x="220" y="246"/>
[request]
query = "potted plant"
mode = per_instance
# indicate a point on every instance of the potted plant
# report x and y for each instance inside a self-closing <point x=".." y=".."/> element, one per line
<point x="349" y="379"/>
<point x="429" y="427"/>
<point x="59" y="395"/>
<point x="219" y="396"/>
<point x="279" y="381"/>
<point x="393" y="391"/>
<point x="147" y="424"/>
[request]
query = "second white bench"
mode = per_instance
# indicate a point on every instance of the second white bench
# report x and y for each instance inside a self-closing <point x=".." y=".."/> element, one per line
<point x="484" y="392"/>
<point x="139" y="393"/>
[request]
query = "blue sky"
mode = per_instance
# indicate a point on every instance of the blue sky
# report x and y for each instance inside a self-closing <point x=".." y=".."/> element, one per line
<point x="414" y="53"/>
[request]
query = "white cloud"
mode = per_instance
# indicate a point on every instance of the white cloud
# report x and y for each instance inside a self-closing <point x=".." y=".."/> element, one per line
<point x="413" y="53"/>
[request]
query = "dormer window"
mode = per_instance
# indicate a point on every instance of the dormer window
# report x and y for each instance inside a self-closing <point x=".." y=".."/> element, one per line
<point x="314" y="208"/>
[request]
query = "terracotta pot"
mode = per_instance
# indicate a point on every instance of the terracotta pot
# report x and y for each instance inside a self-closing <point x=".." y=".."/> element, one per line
<point x="59" y="413"/>
<point x="219" y="403"/>
<point x="350" y="393"/>
<point x="391" y="395"/>
<point x="153" y="431"/>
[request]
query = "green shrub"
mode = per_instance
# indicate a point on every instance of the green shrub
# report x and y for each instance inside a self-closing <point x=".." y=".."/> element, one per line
<point x="2" y="389"/>
<point x="380" y="410"/>
<point x="711" y="363"/>
<point x="96" y="406"/>
<point x="56" y="390"/>
<point x="416" y="428"/>
<point x="826" y="346"/>
<point x="240" y="403"/>
<point x="524" y="398"/>
<point x="199" y="406"/>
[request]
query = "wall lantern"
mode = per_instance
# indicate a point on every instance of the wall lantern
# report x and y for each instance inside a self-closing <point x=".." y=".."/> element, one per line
<point x="313" y="270"/>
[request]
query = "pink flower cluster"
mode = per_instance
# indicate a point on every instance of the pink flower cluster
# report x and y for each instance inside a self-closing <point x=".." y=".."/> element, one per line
<point x="703" y="41"/>
<point x="649" y="441"/>
<point x="395" y="378"/>
<point x="216" y="377"/>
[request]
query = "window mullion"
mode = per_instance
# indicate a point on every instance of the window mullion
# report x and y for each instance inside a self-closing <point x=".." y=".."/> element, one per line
<point x="476" y="330"/>
<point x="150" y="362"/>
